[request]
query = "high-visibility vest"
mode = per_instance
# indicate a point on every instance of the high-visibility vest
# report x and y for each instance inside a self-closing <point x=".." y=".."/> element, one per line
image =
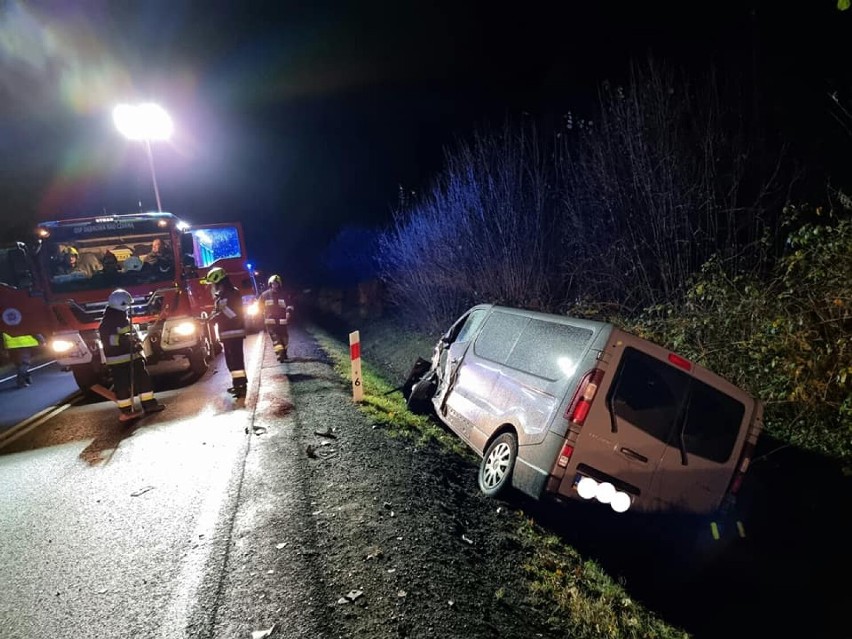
<point x="23" y="341"/>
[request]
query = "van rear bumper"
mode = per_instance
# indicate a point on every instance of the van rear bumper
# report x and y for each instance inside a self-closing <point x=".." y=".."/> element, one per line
<point x="529" y="479"/>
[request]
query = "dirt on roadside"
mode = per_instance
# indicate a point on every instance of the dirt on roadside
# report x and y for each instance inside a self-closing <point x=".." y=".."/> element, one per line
<point x="401" y="543"/>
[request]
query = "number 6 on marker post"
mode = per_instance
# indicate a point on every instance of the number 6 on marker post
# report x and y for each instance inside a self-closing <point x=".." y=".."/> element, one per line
<point x="355" y="356"/>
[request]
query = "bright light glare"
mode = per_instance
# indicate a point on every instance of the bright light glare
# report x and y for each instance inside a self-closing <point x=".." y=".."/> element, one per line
<point x="587" y="487"/>
<point x="605" y="492"/>
<point x="61" y="345"/>
<point x="143" y="122"/>
<point x="567" y="366"/>
<point x="253" y="309"/>
<point x="184" y="328"/>
<point x="620" y="502"/>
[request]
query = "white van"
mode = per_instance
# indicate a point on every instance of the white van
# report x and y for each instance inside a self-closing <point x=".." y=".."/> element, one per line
<point x="580" y="409"/>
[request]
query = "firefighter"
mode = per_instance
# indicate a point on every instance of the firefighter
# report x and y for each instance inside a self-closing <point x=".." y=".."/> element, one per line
<point x="276" y="314"/>
<point x="122" y="350"/>
<point x="19" y="350"/>
<point x="228" y="314"/>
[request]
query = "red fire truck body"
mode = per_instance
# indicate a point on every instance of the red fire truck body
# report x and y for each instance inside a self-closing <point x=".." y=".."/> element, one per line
<point x="156" y="257"/>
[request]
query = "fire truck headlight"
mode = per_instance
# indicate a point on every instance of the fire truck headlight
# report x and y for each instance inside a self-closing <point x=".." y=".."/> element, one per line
<point x="252" y="309"/>
<point x="61" y="345"/>
<point x="184" y="329"/>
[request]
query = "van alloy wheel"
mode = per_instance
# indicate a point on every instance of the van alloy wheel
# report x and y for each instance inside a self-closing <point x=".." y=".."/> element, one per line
<point x="495" y="471"/>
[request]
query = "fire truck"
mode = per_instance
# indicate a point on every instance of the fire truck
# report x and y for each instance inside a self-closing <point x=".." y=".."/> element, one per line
<point x="57" y="287"/>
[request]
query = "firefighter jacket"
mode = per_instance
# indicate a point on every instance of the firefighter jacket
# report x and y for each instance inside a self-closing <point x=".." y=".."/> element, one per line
<point x="228" y="307"/>
<point x="117" y="337"/>
<point x="275" y="309"/>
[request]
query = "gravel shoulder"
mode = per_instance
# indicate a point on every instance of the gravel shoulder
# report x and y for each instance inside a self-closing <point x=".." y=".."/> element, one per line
<point x="343" y="531"/>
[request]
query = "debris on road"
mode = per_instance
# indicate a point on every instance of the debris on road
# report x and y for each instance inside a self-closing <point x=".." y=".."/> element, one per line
<point x="262" y="634"/>
<point x="351" y="597"/>
<point x="141" y="491"/>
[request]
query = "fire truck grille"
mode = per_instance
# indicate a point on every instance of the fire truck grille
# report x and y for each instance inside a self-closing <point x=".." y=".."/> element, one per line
<point x="93" y="312"/>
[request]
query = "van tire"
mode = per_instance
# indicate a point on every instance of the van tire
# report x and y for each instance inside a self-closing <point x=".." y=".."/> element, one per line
<point x="498" y="463"/>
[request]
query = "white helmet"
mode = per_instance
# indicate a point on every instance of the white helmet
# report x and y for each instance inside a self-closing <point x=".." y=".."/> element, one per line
<point x="120" y="300"/>
<point x="132" y="263"/>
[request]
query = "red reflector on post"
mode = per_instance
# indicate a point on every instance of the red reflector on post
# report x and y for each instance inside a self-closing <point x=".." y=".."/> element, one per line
<point x="680" y="362"/>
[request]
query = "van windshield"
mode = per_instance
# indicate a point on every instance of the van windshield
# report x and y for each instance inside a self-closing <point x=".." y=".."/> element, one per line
<point x="664" y="402"/>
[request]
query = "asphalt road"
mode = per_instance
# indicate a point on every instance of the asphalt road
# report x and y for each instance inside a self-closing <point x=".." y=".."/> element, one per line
<point x="52" y="387"/>
<point x="110" y="531"/>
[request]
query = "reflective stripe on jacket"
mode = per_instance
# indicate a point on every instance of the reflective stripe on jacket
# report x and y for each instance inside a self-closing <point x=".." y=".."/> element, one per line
<point x="275" y="309"/>
<point x="22" y="341"/>
<point x="228" y="302"/>
<point x="116" y="335"/>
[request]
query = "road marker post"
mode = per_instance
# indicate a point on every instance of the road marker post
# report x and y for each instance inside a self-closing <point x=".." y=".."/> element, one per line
<point x="355" y="357"/>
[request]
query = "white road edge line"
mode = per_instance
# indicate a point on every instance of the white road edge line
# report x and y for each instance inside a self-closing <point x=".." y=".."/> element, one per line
<point x="30" y="423"/>
<point x="34" y="368"/>
<point x="197" y="560"/>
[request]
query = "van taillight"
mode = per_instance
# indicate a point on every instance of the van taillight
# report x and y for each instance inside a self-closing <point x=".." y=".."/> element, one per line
<point x="739" y="475"/>
<point x="565" y="455"/>
<point x="579" y="407"/>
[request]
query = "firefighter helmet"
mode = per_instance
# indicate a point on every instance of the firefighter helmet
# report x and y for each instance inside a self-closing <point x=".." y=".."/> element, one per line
<point x="215" y="275"/>
<point x="120" y="300"/>
<point x="274" y="279"/>
<point x="70" y="250"/>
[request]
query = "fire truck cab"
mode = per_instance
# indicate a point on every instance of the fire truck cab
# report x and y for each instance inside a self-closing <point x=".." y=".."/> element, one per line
<point x="159" y="259"/>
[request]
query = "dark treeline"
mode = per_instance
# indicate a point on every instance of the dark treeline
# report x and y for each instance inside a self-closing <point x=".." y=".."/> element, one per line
<point x="673" y="210"/>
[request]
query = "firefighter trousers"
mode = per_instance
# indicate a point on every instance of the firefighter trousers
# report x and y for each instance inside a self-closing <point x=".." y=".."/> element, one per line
<point x="135" y="373"/>
<point x="235" y="360"/>
<point x="280" y="337"/>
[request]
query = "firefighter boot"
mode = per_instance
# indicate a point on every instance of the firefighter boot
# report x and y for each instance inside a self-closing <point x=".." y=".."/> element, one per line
<point x="128" y="414"/>
<point x="152" y="406"/>
<point x="238" y="390"/>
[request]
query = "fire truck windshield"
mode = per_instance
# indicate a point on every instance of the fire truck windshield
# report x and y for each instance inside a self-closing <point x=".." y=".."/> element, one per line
<point x="99" y="261"/>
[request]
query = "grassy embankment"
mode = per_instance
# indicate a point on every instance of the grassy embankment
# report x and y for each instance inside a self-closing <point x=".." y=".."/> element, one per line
<point x="579" y="598"/>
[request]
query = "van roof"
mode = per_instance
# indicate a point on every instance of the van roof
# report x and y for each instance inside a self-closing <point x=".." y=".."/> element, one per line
<point x="592" y="325"/>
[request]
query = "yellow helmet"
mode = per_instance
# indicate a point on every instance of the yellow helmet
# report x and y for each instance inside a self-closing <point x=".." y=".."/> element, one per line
<point x="274" y="279"/>
<point x="70" y="250"/>
<point x="215" y="275"/>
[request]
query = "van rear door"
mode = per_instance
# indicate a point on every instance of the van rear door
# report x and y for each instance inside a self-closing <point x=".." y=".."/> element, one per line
<point x="705" y="446"/>
<point x="667" y="431"/>
<point x="625" y="434"/>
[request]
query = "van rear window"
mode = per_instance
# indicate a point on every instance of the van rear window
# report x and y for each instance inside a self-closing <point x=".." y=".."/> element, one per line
<point x="665" y="402"/>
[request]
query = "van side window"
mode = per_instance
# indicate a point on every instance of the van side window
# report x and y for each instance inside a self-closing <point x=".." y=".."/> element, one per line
<point x="648" y="393"/>
<point x="549" y="350"/>
<point x="498" y="336"/>
<point x="469" y="326"/>
<point x="713" y="422"/>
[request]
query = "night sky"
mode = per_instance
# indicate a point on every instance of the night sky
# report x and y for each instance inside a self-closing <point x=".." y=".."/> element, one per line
<point x="297" y="118"/>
